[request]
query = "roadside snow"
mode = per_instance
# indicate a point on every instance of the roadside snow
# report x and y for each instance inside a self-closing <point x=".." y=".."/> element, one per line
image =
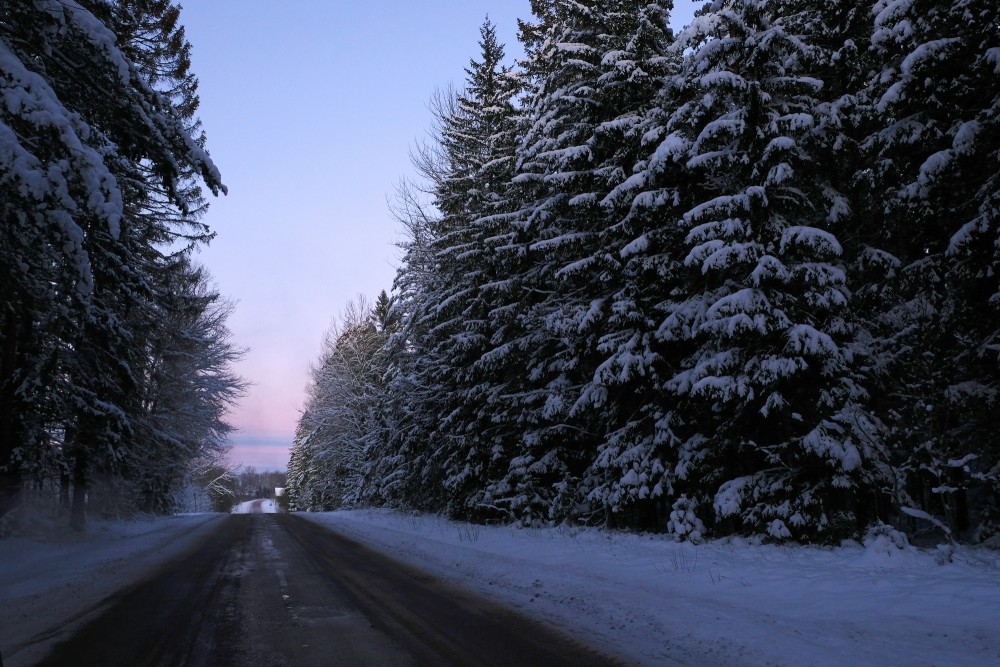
<point x="256" y="507"/>
<point x="642" y="597"/>
<point x="52" y="583"/>
<point x="657" y="602"/>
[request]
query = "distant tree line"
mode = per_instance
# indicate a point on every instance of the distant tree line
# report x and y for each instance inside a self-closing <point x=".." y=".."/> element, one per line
<point x="737" y="280"/>
<point x="115" y="359"/>
<point x="219" y="488"/>
<point x="251" y="484"/>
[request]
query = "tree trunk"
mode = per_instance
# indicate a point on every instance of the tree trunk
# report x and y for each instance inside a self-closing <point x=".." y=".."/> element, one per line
<point x="64" y="486"/>
<point x="10" y="492"/>
<point x="959" y="499"/>
<point x="78" y="512"/>
<point x="10" y="475"/>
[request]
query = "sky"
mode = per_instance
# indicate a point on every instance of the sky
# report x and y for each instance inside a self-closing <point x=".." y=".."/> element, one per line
<point x="312" y="108"/>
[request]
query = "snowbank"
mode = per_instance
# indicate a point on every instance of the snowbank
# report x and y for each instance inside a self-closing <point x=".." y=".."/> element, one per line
<point x="654" y="601"/>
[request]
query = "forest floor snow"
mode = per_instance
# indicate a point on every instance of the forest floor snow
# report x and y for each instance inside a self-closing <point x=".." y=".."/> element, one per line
<point x="645" y="598"/>
<point x="654" y="601"/>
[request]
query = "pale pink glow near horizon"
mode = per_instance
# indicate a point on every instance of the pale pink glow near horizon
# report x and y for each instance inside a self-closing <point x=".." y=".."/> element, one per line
<point x="260" y="456"/>
<point x="311" y="110"/>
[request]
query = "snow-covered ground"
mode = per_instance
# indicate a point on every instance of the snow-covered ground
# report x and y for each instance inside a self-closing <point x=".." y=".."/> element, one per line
<point x="657" y="602"/>
<point x="51" y="583"/>
<point x="643" y="597"/>
<point x="256" y="507"/>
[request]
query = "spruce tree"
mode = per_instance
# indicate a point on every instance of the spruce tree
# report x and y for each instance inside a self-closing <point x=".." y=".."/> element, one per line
<point x="592" y="73"/>
<point x="478" y="140"/>
<point x="90" y="141"/>
<point x="933" y="152"/>
<point x="780" y="442"/>
<point x="439" y="299"/>
<point x="630" y="473"/>
<point x="337" y="439"/>
<point x="544" y="453"/>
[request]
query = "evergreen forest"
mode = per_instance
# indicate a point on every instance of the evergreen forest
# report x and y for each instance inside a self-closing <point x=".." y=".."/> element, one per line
<point x="116" y="364"/>
<point x="740" y="279"/>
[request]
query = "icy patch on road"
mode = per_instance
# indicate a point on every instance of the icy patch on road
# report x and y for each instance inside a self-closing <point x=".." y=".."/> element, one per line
<point x="653" y="601"/>
<point x="49" y="583"/>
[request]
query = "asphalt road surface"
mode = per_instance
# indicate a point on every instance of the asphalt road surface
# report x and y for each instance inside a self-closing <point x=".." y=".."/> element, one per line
<point x="275" y="589"/>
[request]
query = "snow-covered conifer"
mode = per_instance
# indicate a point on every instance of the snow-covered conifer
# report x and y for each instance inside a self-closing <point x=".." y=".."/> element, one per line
<point x="592" y="73"/>
<point x="780" y="441"/>
<point x="87" y="142"/>
<point x="440" y="302"/>
<point x="933" y="156"/>
<point x="334" y="437"/>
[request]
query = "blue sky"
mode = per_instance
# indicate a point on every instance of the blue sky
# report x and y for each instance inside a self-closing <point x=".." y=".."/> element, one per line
<point x="311" y="109"/>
